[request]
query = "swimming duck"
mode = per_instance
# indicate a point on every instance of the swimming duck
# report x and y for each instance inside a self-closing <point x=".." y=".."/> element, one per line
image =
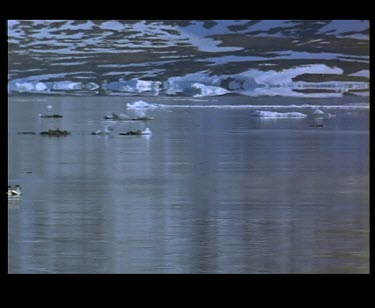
<point x="137" y="132"/>
<point x="43" y="115"/>
<point x="14" y="192"/>
<point x="17" y="191"/>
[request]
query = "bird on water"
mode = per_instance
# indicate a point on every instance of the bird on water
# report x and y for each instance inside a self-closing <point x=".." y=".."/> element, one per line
<point x="14" y="192"/>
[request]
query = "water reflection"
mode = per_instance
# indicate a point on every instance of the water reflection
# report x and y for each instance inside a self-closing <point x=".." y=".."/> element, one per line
<point x="209" y="192"/>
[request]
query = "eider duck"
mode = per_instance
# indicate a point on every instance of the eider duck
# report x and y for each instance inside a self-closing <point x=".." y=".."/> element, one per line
<point x="14" y="192"/>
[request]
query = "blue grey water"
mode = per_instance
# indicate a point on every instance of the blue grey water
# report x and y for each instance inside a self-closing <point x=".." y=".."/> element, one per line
<point x="258" y="161"/>
<point x="212" y="190"/>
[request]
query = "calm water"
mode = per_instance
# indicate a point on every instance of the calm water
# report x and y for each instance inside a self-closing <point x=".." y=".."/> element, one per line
<point x="213" y="190"/>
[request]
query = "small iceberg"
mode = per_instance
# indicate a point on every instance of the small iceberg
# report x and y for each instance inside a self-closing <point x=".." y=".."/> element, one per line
<point x="141" y="105"/>
<point x="147" y="131"/>
<point x="123" y="116"/>
<point x="317" y="111"/>
<point x="277" y="115"/>
<point x="205" y="90"/>
<point x="111" y="116"/>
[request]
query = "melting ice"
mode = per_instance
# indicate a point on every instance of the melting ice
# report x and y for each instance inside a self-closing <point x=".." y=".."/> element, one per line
<point x="327" y="58"/>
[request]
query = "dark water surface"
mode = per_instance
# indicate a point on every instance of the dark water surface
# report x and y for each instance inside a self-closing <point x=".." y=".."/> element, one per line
<point x="212" y="190"/>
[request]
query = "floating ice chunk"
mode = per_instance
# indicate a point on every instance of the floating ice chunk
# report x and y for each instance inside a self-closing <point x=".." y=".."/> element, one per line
<point x="40" y="86"/>
<point x="145" y="86"/>
<point x="273" y="114"/>
<point x="140" y="112"/>
<point x="65" y="85"/>
<point x="330" y="115"/>
<point x="134" y="86"/>
<point x="208" y="90"/>
<point x="137" y="105"/>
<point x="90" y="86"/>
<point x="123" y="116"/>
<point x="111" y="116"/>
<point x="317" y="111"/>
<point x="362" y="73"/>
<point x="141" y="105"/>
<point x="35" y="86"/>
<point x="147" y="131"/>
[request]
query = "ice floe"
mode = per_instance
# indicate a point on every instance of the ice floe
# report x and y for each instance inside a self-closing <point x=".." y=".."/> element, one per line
<point x="277" y="115"/>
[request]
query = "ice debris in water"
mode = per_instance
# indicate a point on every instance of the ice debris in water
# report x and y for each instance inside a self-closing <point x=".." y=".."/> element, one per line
<point x="106" y="131"/>
<point x="123" y="116"/>
<point x="111" y="115"/>
<point x="274" y="114"/>
<point x="208" y="90"/>
<point x="317" y="111"/>
<point x="141" y="105"/>
<point x="147" y="131"/>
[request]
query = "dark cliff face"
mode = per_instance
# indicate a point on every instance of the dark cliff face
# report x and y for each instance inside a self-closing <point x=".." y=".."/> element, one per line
<point x="191" y="58"/>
